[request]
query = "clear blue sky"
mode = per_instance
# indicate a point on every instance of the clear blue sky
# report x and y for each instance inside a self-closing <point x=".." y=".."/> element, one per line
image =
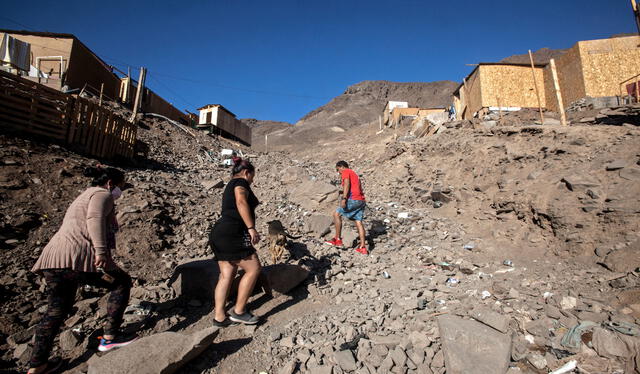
<point x="279" y="60"/>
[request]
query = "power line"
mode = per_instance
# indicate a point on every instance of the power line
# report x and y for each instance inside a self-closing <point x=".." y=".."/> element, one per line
<point x="184" y="101"/>
<point x="16" y="22"/>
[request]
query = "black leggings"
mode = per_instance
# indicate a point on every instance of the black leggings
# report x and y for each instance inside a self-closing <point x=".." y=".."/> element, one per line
<point x="62" y="285"/>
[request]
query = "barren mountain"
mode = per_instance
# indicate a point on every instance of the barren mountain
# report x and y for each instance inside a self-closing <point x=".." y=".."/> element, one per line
<point x="541" y="56"/>
<point x="260" y="128"/>
<point x="362" y="103"/>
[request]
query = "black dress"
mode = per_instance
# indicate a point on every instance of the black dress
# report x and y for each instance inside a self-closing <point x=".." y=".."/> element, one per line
<point x="229" y="237"/>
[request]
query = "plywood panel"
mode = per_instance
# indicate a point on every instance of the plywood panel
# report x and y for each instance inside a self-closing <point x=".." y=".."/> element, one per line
<point x="608" y="62"/>
<point x="473" y="94"/>
<point x="512" y="85"/>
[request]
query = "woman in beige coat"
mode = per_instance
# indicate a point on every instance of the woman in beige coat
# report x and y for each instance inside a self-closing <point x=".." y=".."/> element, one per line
<point x="80" y="253"/>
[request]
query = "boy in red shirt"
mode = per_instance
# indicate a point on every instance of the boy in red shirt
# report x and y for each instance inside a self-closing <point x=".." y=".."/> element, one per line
<point x="352" y="204"/>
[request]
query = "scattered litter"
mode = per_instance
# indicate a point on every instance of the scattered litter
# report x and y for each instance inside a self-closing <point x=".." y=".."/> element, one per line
<point x="422" y="304"/>
<point x="566" y="368"/>
<point x="485" y="295"/>
<point x="403" y="215"/>
<point x="437" y="204"/>
<point x="140" y="310"/>
<point x="452" y="281"/>
<point x="386" y="275"/>
<point x="573" y="337"/>
<point x="622" y="327"/>
<point x="547" y="295"/>
<point x="530" y="339"/>
<point x="470" y="246"/>
<point x="426" y="247"/>
<point x="502" y="271"/>
<point x="507" y="263"/>
<point x="387" y="220"/>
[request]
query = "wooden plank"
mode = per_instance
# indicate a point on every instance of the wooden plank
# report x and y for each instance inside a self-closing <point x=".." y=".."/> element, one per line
<point x="31" y="94"/>
<point x="535" y="84"/>
<point x="106" y="134"/>
<point x="24" y="126"/>
<point x="30" y="85"/>
<point x="556" y="87"/>
<point x="29" y="114"/>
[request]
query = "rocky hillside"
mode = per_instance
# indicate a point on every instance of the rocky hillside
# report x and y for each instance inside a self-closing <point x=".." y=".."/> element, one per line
<point x="541" y="56"/>
<point x="260" y="128"/>
<point x="361" y="104"/>
<point x="560" y="204"/>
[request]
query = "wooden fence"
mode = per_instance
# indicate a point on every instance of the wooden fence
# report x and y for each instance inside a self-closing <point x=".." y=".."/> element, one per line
<point x="82" y="125"/>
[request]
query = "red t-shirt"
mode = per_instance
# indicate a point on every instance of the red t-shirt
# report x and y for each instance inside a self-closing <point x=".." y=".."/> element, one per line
<point x="355" y="191"/>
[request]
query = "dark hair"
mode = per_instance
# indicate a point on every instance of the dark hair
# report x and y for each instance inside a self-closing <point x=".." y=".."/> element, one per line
<point x="343" y="164"/>
<point x="102" y="175"/>
<point x="240" y="165"/>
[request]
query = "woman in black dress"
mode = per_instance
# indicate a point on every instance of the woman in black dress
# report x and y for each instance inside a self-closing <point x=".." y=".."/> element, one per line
<point x="232" y="239"/>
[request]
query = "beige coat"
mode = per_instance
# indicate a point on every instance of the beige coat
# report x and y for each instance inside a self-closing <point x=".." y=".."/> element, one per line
<point x="83" y="233"/>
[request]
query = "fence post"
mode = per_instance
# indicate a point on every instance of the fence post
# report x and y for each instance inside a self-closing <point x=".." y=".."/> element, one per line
<point x="136" y="104"/>
<point x="556" y="86"/>
<point x="535" y="84"/>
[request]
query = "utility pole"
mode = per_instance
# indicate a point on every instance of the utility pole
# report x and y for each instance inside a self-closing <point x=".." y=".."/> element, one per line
<point x="535" y="85"/>
<point x="136" y="104"/>
<point x="636" y="13"/>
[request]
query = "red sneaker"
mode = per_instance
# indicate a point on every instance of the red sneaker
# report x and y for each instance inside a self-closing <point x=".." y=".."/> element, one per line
<point x="337" y="242"/>
<point x="362" y="250"/>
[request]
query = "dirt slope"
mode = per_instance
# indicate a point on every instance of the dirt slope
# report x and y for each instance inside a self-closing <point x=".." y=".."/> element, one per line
<point x="361" y="104"/>
<point x="260" y="128"/>
<point x="560" y="202"/>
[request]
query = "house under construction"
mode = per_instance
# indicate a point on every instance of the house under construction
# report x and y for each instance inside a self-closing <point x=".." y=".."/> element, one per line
<point x="593" y="68"/>
<point x="63" y="62"/>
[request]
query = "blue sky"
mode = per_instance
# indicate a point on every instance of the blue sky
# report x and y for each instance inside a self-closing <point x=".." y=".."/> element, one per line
<point x="278" y="60"/>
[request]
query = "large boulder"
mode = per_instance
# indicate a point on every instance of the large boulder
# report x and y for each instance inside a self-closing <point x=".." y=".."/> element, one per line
<point x="282" y="278"/>
<point x="162" y="353"/>
<point x="473" y="348"/>
<point x="624" y="260"/>
<point x="318" y="224"/>
<point x="195" y="279"/>
<point x="310" y="193"/>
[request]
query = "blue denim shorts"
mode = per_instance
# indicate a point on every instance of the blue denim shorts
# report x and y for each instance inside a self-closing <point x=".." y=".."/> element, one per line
<point x="354" y="210"/>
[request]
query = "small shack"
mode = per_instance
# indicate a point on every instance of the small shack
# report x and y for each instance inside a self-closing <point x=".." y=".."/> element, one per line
<point x="592" y="68"/>
<point x="388" y="109"/>
<point x="498" y="85"/>
<point x="61" y="61"/>
<point x="219" y="120"/>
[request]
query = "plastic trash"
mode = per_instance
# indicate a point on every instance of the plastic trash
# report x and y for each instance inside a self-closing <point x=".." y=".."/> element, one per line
<point x="386" y="275"/>
<point x="437" y="204"/>
<point x="622" y="327"/>
<point x="470" y="246"/>
<point x="141" y="310"/>
<point x="566" y="368"/>
<point x="422" y="304"/>
<point x="507" y="263"/>
<point x="452" y="281"/>
<point x="573" y="337"/>
<point x="485" y="295"/>
<point x="403" y="215"/>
